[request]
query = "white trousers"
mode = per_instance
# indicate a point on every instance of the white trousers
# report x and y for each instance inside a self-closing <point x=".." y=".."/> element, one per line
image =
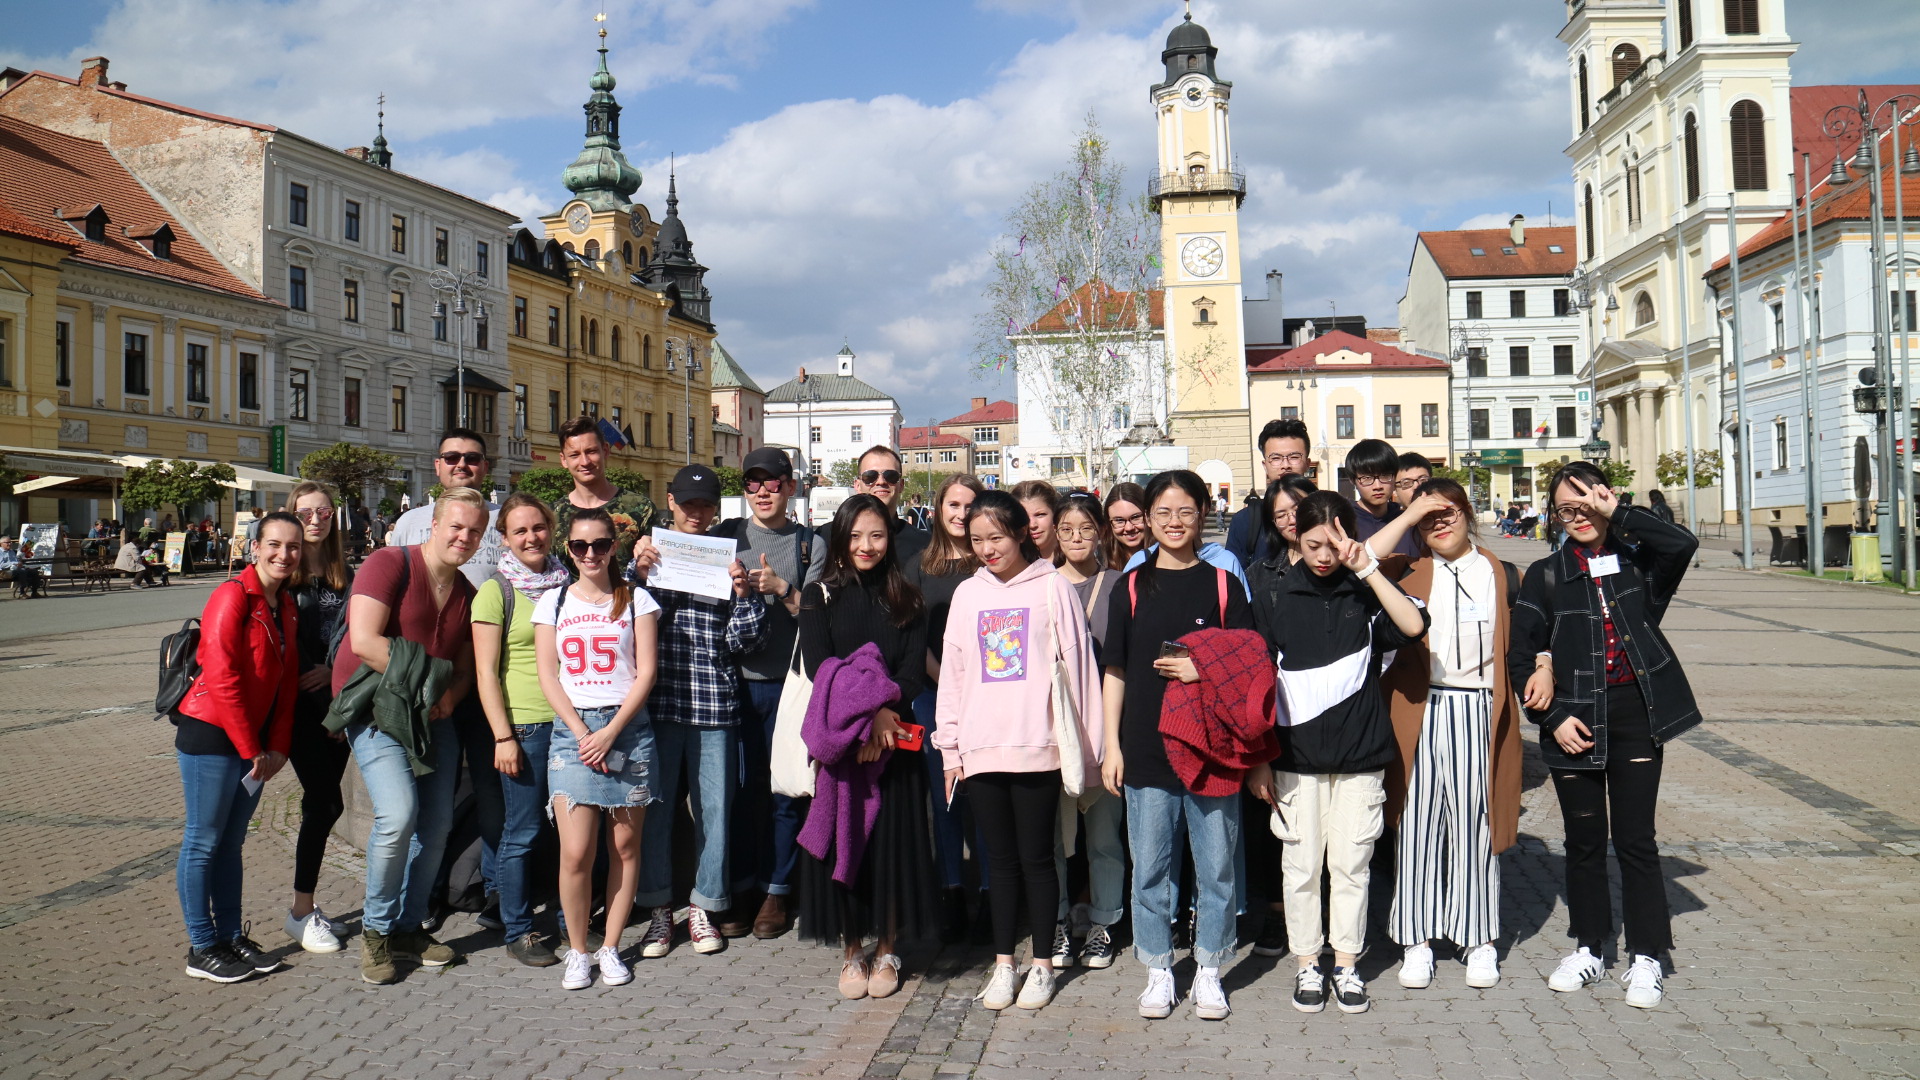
<point x="1446" y="879"/>
<point x="1330" y="821"/>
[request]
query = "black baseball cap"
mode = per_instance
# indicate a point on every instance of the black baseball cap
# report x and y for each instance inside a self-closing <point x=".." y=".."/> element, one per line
<point x="768" y="460"/>
<point x="695" y="483"/>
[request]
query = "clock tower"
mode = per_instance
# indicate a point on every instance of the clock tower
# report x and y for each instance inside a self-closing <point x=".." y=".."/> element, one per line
<point x="1198" y="192"/>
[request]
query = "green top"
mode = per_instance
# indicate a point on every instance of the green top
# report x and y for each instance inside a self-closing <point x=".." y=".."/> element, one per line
<point x="632" y="513"/>
<point x="526" y="702"/>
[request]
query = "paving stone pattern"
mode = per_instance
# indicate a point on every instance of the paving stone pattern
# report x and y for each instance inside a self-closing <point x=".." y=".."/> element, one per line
<point x="1788" y="824"/>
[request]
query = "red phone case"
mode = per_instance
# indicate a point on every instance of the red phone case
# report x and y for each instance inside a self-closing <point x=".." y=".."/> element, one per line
<point x="910" y="738"/>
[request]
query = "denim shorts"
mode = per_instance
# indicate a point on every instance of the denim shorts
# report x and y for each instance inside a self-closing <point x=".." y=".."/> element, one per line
<point x="568" y="777"/>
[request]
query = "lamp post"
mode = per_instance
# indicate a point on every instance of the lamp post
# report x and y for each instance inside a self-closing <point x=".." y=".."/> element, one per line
<point x="688" y="370"/>
<point x="461" y="286"/>
<point x="1464" y="335"/>
<point x="812" y="399"/>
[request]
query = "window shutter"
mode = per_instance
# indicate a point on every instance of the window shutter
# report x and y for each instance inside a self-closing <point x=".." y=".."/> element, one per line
<point x="1747" y="126"/>
<point x="1585" y="116"/>
<point x="1743" y="16"/>
<point x="1691" y="133"/>
<point x="1686" y="23"/>
<point x="1625" y="59"/>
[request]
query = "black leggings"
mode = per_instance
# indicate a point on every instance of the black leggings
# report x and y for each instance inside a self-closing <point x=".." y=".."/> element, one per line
<point x="1019" y="813"/>
<point x="319" y="760"/>
<point x="1628" y="791"/>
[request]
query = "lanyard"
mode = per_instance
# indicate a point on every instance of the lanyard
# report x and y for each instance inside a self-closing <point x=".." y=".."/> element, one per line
<point x="1460" y="593"/>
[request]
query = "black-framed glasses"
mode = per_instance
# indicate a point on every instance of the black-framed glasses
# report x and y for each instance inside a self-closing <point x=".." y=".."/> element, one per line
<point x="1368" y="480"/>
<point x="1568" y="513"/>
<point x="456" y="457"/>
<point x="1443" y="517"/>
<point x="880" y="476"/>
<point x="599" y="547"/>
<point x="314" y="513"/>
<point x="1138" y="519"/>
<point x="1410" y="484"/>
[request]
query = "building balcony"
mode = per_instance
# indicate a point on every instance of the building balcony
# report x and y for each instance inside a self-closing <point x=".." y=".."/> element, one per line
<point x="1199" y="183"/>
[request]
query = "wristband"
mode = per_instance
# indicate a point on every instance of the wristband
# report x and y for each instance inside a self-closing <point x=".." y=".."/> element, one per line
<point x="1372" y="567"/>
<point x="506" y="739"/>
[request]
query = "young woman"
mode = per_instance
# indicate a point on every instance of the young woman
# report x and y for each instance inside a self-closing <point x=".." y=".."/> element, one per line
<point x="863" y="598"/>
<point x="1085" y="547"/>
<point x="1454" y="789"/>
<point x="318" y="757"/>
<point x="595" y="640"/>
<point x="506" y="667"/>
<point x="1126" y="508"/>
<point x="1042" y="503"/>
<point x="232" y="733"/>
<point x="1590" y="613"/>
<point x="937" y="573"/>
<point x="1012" y="621"/>
<point x="1326" y="625"/>
<point x="1170" y="595"/>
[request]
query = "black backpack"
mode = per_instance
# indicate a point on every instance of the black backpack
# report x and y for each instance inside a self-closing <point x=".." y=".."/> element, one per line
<point x="179" y="666"/>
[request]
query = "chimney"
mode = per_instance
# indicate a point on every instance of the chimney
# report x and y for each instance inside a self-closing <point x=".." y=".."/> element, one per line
<point x="1273" y="287"/>
<point x="93" y="71"/>
<point x="978" y="403"/>
<point x="1517" y="230"/>
<point x="357" y="153"/>
<point x="803" y="374"/>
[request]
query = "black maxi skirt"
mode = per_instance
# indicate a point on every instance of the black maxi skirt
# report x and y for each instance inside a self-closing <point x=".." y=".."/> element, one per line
<point x="896" y="893"/>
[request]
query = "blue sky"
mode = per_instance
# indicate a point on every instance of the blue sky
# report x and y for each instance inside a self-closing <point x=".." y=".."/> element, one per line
<point x="845" y="166"/>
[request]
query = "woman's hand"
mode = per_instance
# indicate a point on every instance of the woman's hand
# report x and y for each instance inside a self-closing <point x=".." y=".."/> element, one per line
<point x="645" y="557"/>
<point x="1573" y="736"/>
<point x="594" y="747"/>
<point x="1539" y="693"/>
<point x="886" y="729"/>
<point x="1113" y="770"/>
<point x="265" y="764"/>
<point x="1599" y="500"/>
<point x="953" y="781"/>
<point x="1430" y="503"/>
<point x="1352" y="553"/>
<point x="315" y="678"/>
<point x="508" y="759"/>
<point x="1260" y="783"/>
<point x="1177" y="667"/>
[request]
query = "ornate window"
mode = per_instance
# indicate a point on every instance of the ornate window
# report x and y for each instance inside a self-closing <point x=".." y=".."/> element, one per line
<point x="1748" y="128"/>
<point x="1626" y="60"/>
<point x="1642" y="310"/>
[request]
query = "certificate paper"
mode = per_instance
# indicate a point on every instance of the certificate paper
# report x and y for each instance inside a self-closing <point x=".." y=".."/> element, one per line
<point x="693" y="564"/>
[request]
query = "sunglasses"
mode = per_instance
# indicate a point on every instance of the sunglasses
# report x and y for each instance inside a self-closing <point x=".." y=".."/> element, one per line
<point x="888" y="476"/>
<point x="455" y="457"/>
<point x="756" y="486"/>
<point x="312" y="513"/>
<point x="599" y="547"/>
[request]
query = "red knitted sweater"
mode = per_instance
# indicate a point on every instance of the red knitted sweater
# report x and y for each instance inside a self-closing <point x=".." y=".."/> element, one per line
<point x="1218" y="728"/>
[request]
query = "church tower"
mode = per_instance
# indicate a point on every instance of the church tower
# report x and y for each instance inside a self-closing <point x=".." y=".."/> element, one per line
<point x="1198" y="193"/>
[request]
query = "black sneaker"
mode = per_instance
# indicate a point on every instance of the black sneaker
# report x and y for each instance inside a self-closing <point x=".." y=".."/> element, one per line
<point x="1098" y="952"/>
<point x="1273" y="934"/>
<point x="1349" y="990"/>
<point x="531" y="951"/>
<point x="489" y="916"/>
<point x="218" y="963"/>
<point x="250" y="952"/>
<point x="1309" y="990"/>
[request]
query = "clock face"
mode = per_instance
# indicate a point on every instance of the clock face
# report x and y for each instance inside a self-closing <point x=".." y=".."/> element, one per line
<point x="578" y="217"/>
<point x="636" y="224"/>
<point x="1202" y="257"/>
<point x="1194" y="93"/>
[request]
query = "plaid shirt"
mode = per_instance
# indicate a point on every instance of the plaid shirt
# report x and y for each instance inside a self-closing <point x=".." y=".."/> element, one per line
<point x="701" y="640"/>
<point x="1619" y="666"/>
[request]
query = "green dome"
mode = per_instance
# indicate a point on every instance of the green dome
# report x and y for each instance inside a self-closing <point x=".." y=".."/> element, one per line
<point x="601" y="176"/>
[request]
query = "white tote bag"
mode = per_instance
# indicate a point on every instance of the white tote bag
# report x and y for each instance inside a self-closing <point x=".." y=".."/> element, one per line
<point x="1066" y="715"/>
<point x="792" y="768"/>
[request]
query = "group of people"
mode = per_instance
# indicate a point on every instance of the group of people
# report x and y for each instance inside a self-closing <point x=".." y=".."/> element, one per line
<point x="1073" y="692"/>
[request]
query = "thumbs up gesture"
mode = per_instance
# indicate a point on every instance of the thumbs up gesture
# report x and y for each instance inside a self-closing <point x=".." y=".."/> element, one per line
<point x="765" y="580"/>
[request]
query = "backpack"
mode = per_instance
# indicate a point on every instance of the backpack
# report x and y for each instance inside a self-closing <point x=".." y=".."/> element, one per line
<point x="179" y="666"/>
<point x="406" y="579"/>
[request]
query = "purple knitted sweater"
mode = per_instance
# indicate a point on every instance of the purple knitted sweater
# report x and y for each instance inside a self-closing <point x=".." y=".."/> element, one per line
<point x="846" y="798"/>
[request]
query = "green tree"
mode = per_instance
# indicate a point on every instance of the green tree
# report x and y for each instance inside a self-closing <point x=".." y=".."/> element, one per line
<point x="732" y="481"/>
<point x="349" y="467"/>
<point x="843" y="473"/>
<point x="1671" y="469"/>
<point x="8" y="478"/>
<point x="1618" y="473"/>
<point x="630" y="480"/>
<point x="549" y="484"/>
<point x="176" y="484"/>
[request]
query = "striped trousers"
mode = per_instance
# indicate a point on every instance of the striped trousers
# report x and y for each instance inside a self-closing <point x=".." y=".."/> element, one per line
<point x="1446" y="878"/>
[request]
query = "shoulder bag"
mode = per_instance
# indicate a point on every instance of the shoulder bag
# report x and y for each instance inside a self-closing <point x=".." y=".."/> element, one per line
<point x="1066" y="713"/>
<point x="792" y="769"/>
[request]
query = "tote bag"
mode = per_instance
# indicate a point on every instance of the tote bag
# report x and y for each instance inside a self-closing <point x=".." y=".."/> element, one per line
<point x="1066" y="715"/>
<point x="792" y="768"/>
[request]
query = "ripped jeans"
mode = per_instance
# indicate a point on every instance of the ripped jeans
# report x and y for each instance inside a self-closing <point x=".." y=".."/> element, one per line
<point x="1624" y="795"/>
<point x="571" y="780"/>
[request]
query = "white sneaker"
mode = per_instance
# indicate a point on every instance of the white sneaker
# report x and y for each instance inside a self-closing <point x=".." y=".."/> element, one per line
<point x="998" y="993"/>
<point x="1038" y="990"/>
<point x="1156" y="1001"/>
<point x="1483" y="967"/>
<point x="1643" y="983"/>
<point x="1209" y="997"/>
<point x="1579" y="969"/>
<point x="700" y="930"/>
<point x="579" y="973"/>
<point x="1416" y="966"/>
<point x="613" y="971"/>
<point x="314" y="933"/>
<point x="658" y="940"/>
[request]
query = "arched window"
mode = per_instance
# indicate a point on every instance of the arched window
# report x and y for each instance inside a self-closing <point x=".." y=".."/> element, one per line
<point x="593" y="250"/>
<point x="1626" y="59"/>
<point x="626" y="253"/>
<point x="593" y="337"/>
<point x="1633" y="192"/>
<point x="1685" y="17"/>
<point x="1586" y="116"/>
<point x="643" y="257"/>
<point x="1588" y="203"/>
<point x="646" y="350"/>
<point x="1690" y="138"/>
<point x="1743" y="16"/>
<point x="1748" y="127"/>
<point x="1642" y="310"/>
<point x="613" y="343"/>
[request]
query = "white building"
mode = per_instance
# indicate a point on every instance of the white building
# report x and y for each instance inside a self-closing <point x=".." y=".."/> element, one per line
<point x="1496" y="304"/>
<point x="833" y="418"/>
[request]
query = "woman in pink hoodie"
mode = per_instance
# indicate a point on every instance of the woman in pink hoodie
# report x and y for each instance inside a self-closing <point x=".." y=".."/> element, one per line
<point x="1009" y="626"/>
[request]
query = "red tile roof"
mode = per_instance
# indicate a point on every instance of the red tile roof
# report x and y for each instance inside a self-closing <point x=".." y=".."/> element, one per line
<point x="1852" y="201"/>
<point x="1453" y="250"/>
<point x="47" y="177"/>
<point x="993" y="412"/>
<point x="14" y="223"/>
<point x="1307" y="357"/>
<point x="917" y="438"/>
<point x="1076" y="309"/>
<point x="1810" y="105"/>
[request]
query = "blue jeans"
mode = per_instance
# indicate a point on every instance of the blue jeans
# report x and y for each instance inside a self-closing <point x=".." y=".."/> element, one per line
<point x="525" y="799"/>
<point x="708" y="756"/>
<point x="766" y="825"/>
<point x="1154" y="819"/>
<point x="411" y="816"/>
<point x="208" y="871"/>
<point x="1103" y="836"/>
<point x="949" y="836"/>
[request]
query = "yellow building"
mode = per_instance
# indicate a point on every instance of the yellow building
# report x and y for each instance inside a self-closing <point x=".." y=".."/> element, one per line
<point x="1347" y="388"/>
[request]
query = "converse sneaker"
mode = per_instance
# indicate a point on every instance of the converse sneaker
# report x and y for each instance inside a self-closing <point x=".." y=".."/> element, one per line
<point x="1209" y="997"/>
<point x="1062" y="947"/>
<point x="1483" y="967"/>
<point x="1273" y="934"/>
<point x="1156" y="1001"/>
<point x="1416" y="966"/>
<point x="1038" y="990"/>
<point x="658" y="940"/>
<point x="998" y="993"/>
<point x="1643" y="982"/>
<point x="1098" y="951"/>
<point x="1577" y="970"/>
<point x="1349" y="990"/>
<point x="249" y="950"/>
<point x="700" y="930"/>
<point x="217" y="963"/>
<point x="579" y="973"/>
<point x="1309" y="990"/>
<point x="313" y="932"/>
<point x="613" y="971"/>
<point x="421" y="946"/>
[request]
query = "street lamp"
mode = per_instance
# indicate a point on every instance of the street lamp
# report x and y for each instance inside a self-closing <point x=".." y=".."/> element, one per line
<point x="460" y="286"/>
<point x="1464" y="335"/>
<point x="689" y="370"/>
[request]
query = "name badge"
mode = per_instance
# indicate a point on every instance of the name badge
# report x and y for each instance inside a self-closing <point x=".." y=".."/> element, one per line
<point x="1474" y="611"/>
<point x="1603" y="565"/>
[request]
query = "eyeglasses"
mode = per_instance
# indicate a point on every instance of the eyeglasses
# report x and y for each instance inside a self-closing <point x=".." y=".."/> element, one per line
<point x="1445" y="517"/>
<point x="1083" y="532"/>
<point x="1283" y="515"/>
<point x="1131" y="520"/>
<point x="599" y="547"/>
<point x="1568" y="513"/>
<point x="756" y="486"/>
<point x="1410" y="483"/>
<point x="1286" y="459"/>
<point x="455" y="457"/>
<point x="880" y="476"/>
<point x="315" y="513"/>
<point x="1186" y="515"/>
<point x="1369" y="480"/>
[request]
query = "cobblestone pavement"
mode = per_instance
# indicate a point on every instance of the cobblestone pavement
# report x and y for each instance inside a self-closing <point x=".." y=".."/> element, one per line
<point x="1789" y="823"/>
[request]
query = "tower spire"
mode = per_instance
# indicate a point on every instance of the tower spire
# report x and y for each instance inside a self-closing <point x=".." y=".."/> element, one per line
<point x="601" y="176"/>
<point x="381" y="156"/>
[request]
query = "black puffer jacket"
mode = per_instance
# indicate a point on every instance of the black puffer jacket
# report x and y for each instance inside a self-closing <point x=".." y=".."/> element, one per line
<point x="1559" y="612"/>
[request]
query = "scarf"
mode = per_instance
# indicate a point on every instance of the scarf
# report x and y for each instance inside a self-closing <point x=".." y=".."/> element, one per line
<point x="535" y="583"/>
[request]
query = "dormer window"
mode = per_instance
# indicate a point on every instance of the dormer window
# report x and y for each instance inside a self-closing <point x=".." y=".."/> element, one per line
<point x="159" y="242"/>
<point x="90" y="223"/>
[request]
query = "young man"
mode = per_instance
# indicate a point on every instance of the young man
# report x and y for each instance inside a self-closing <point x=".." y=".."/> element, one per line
<point x="775" y="552"/>
<point x="1284" y="446"/>
<point x="1374" y="466"/>
<point x="1415" y="470"/>
<point x="695" y="708"/>
<point x="584" y="454"/>
<point x="880" y="477"/>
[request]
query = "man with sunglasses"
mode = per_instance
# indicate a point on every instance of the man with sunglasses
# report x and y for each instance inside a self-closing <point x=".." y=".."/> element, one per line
<point x="1284" y="446"/>
<point x="880" y="476"/>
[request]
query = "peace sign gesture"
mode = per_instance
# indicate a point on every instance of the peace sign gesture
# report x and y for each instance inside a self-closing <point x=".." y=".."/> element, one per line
<point x="1599" y="500"/>
<point x="1352" y="553"/>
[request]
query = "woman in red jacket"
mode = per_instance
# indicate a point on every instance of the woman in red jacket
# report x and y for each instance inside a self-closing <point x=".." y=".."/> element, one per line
<point x="232" y="733"/>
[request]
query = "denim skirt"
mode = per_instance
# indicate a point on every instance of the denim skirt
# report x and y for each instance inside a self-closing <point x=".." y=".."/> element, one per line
<point x="570" y="778"/>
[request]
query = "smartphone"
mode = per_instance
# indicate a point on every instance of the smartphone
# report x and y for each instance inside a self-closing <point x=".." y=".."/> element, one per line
<point x="1173" y="650"/>
<point x="911" y="737"/>
<point x="614" y="761"/>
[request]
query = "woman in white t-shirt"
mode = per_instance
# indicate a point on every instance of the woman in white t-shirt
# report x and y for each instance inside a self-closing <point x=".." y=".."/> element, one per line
<point x="596" y="643"/>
